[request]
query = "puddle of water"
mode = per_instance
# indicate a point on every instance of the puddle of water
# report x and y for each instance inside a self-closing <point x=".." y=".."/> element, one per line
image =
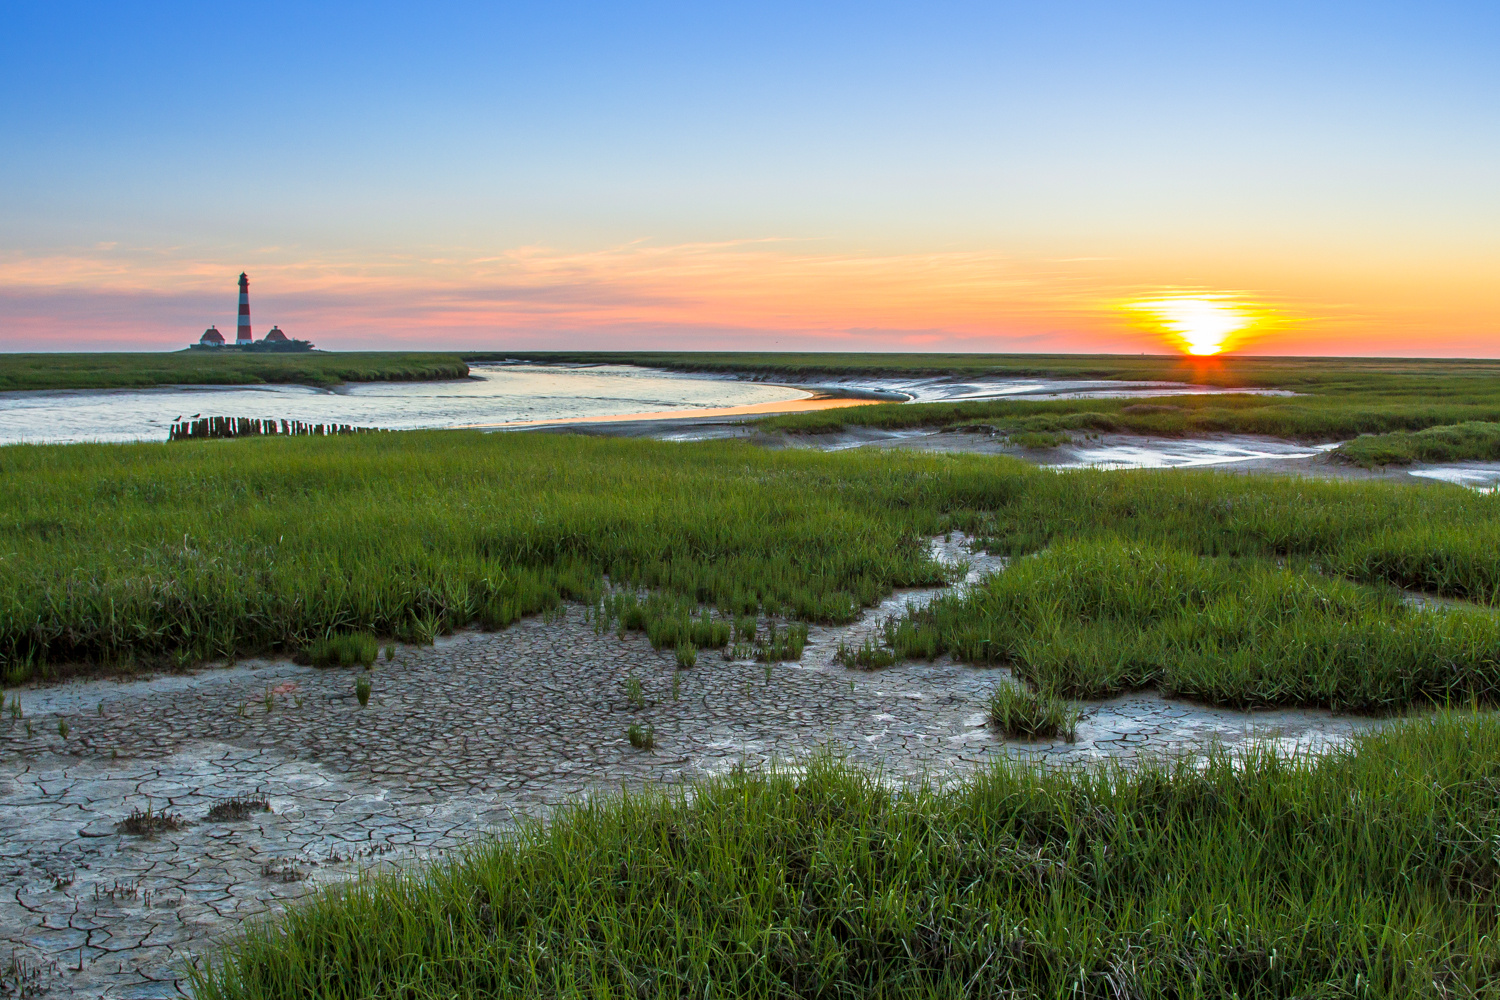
<point x="949" y="390"/>
<point x="957" y="548"/>
<point x="510" y="395"/>
<point x="751" y="410"/>
<point x="1147" y="453"/>
<point x="1481" y="476"/>
<point x="84" y="696"/>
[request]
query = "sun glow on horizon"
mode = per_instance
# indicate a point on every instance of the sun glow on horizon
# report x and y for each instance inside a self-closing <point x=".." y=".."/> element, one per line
<point x="1203" y="323"/>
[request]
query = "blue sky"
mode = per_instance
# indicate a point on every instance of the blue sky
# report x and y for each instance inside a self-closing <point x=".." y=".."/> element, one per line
<point x="1312" y="156"/>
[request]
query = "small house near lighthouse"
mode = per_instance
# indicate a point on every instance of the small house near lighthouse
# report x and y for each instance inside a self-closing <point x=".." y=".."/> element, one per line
<point x="275" y="341"/>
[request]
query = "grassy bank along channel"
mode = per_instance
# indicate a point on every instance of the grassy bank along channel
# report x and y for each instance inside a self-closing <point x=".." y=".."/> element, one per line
<point x="1368" y="872"/>
<point x="1336" y="398"/>
<point x="1473" y="441"/>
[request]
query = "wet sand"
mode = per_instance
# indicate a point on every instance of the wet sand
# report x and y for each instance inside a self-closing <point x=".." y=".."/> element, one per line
<point x="808" y="404"/>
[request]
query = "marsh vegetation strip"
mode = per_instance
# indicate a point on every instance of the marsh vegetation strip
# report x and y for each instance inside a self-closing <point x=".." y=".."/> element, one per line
<point x="1061" y="450"/>
<point x="1466" y="442"/>
<point x="485" y="395"/>
<point x="457" y="740"/>
<point x="1365" y="872"/>
<point x="158" y="554"/>
<point x="1307" y="418"/>
<point x="1331" y="400"/>
<point x="230" y="367"/>
<point x="1296" y="374"/>
<point x="1094" y="618"/>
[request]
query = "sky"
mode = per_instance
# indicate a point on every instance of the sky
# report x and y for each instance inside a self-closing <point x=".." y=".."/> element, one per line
<point x="1304" y="178"/>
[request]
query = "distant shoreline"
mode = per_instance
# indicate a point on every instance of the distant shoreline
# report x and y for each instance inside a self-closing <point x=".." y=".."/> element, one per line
<point x="320" y="369"/>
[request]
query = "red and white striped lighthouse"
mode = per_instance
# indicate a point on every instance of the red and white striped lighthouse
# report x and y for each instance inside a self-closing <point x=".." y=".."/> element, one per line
<point x="243" y="334"/>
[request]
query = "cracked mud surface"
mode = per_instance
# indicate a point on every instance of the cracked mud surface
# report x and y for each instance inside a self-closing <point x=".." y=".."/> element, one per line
<point x="460" y="738"/>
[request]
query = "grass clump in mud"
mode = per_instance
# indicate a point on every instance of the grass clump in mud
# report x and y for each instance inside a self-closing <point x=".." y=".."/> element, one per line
<point x="869" y="655"/>
<point x="1037" y="440"/>
<point x="238" y="807"/>
<point x="343" y="649"/>
<point x="1023" y="714"/>
<point x="1473" y="441"/>
<point x="641" y="737"/>
<point x="1367" y="872"/>
<point x="147" y="823"/>
<point x="669" y="622"/>
<point x="1089" y="619"/>
<point x="781" y="645"/>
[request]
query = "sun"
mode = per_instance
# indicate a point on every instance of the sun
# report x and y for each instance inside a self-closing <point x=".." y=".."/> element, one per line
<point x="1203" y="323"/>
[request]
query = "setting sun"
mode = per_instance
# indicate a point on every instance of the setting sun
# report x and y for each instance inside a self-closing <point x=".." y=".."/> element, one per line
<point x="1202" y="323"/>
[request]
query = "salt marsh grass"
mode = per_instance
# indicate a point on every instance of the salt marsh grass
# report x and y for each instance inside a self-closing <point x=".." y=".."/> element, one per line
<point x="1023" y="714"/>
<point x="869" y="655"/>
<point x="1470" y="441"/>
<point x="229" y="367"/>
<point x="116" y="554"/>
<point x="123" y="555"/>
<point x="782" y="644"/>
<point x="1368" y="872"/>
<point x="1327" y="401"/>
<point x="343" y="649"/>
<point x="1089" y="619"/>
<point x="1039" y="439"/>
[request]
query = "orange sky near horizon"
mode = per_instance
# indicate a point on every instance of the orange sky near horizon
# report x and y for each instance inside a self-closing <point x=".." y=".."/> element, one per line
<point x="787" y="294"/>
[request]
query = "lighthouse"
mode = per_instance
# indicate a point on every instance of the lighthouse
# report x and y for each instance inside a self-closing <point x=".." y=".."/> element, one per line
<point x="242" y="337"/>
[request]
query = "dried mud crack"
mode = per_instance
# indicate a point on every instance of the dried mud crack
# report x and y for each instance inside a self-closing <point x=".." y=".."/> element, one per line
<point x="459" y="739"/>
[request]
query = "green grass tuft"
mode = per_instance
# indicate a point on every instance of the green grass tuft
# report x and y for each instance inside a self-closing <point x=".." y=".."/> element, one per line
<point x="346" y="649"/>
<point x="1039" y="439"/>
<point x="869" y="655"/>
<point x="1023" y="714"/>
